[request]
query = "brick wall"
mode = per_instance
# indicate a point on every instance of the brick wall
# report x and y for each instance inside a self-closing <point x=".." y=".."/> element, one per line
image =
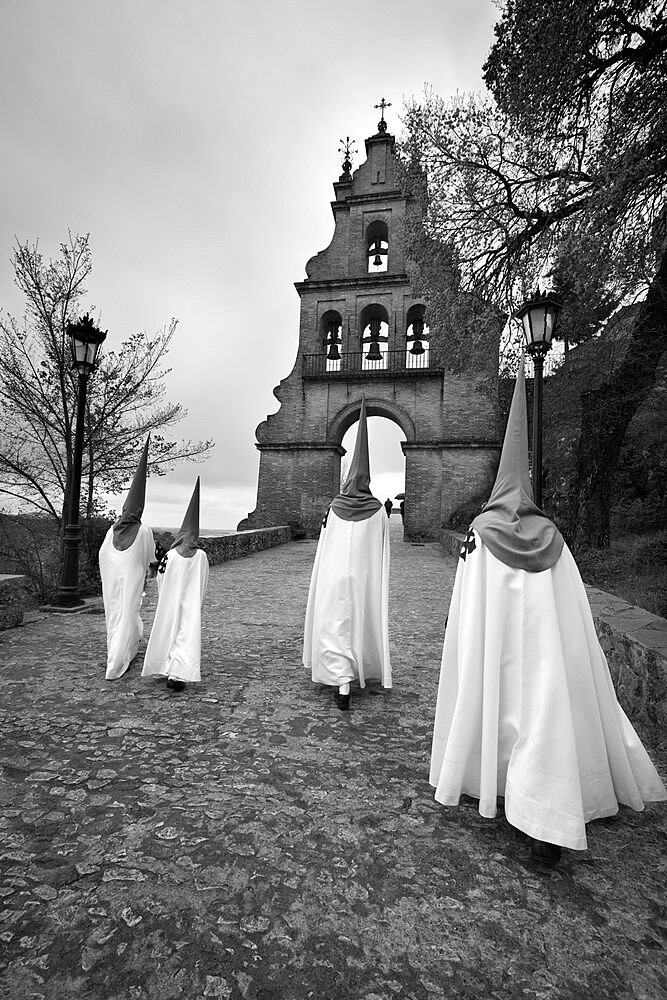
<point x="449" y="417"/>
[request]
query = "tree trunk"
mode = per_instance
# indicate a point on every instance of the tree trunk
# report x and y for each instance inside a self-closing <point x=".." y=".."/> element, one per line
<point x="606" y="414"/>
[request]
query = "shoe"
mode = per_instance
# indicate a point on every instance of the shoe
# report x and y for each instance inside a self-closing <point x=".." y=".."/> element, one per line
<point x="544" y="852"/>
<point x="175" y="685"/>
<point x="343" y="701"/>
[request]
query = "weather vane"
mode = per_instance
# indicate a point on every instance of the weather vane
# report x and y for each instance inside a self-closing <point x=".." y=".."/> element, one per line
<point x="382" y="125"/>
<point x="347" y="150"/>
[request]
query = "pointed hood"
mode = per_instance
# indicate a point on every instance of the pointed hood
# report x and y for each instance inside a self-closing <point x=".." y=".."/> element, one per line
<point x="511" y="526"/>
<point x="355" y="502"/>
<point x="187" y="536"/>
<point x="126" y="527"/>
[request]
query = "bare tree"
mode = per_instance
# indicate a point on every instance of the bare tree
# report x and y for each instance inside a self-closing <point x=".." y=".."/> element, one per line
<point x="561" y="174"/>
<point x="38" y="393"/>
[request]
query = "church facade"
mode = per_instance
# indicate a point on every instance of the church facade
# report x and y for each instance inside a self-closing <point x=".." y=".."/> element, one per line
<point x="362" y="329"/>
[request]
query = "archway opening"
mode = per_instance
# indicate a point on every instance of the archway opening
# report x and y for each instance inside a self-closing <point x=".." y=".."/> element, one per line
<point x="386" y="458"/>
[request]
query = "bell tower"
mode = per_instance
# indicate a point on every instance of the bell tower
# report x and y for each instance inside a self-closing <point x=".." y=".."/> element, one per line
<point x="363" y="328"/>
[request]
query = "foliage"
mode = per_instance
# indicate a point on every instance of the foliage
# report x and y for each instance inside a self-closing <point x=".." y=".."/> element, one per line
<point x="30" y="545"/>
<point x="560" y="174"/>
<point x="38" y="393"/>
<point x="634" y="567"/>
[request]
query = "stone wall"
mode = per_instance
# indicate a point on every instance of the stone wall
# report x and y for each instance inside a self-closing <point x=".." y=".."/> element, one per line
<point x="15" y="598"/>
<point x="635" y="644"/>
<point x="221" y="548"/>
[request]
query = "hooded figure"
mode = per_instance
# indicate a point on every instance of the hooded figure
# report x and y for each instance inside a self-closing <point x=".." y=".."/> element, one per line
<point x="526" y="707"/>
<point x="124" y="556"/>
<point x="174" y="646"/>
<point x="346" y="629"/>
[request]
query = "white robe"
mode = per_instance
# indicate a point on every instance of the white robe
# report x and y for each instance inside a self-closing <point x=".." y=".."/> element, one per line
<point x="123" y="574"/>
<point x="174" y="646"/>
<point x="526" y="706"/>
<point x="346" y="630"/>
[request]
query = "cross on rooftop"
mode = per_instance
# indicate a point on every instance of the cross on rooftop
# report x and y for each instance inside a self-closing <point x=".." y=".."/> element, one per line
<point x="382" y="125"/>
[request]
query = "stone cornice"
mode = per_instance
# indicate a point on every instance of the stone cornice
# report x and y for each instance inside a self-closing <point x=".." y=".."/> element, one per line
<point x="450" y="444"/>
<point x="365" y="282"/>
<point x="371" y="198"/>
<point x="301" y="446"/>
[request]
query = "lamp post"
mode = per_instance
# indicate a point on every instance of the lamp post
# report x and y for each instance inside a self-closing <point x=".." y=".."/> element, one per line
<point x="85" y="341"/>
<point x="538" y="315"/>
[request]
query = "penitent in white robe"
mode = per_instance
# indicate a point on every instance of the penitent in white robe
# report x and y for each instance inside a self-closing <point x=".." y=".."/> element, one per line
<point x="174" y="646"/>
<point x="346" y="629"/>
<point x="526" y="706"/>
<point x="123" y="575"/>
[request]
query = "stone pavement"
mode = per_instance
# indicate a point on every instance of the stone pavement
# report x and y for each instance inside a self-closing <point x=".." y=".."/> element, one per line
<point x="245" y="839"/>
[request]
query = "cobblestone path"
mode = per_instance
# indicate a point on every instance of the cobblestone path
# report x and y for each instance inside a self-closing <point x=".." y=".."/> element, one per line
<point x="245" y="839"/>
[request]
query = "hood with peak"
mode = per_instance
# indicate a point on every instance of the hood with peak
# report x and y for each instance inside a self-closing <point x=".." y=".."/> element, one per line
<point x="187" y="536"/>
<point x="125" y="527"/>
<point x="511" y="525"/>
<point x="355" y="502"/>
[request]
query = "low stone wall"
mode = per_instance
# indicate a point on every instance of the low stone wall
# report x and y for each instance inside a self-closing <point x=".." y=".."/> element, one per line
<point x="220" y="548"/>
<point x="13" y="600"/>
<point x="635" y="644"/>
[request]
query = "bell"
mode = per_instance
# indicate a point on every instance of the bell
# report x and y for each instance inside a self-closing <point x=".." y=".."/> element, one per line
<point x="376" y="248"/>
<point x="374" y="353"/>
<point x="334" y="353"/>
<point x="417" y="347"/>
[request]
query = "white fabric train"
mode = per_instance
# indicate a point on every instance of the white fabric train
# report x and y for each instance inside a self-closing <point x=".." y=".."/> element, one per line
<point x="123" y="574"/>
<point x="526" y="706"/>
<point x="346" y="629"/>
<point x="174" y="646"/>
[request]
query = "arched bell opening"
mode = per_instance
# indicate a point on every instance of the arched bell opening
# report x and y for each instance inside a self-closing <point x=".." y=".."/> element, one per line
<point x="417" y="348"/>
<point x="374" y="324"/>
<point x="377" y="247"/>
<point x="331" y="330"/>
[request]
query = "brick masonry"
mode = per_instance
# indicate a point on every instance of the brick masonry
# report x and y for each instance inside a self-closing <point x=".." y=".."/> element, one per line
<point x="450" y="423"/>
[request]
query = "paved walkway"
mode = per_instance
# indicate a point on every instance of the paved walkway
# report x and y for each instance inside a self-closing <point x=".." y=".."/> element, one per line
<point x="248" y="840"/>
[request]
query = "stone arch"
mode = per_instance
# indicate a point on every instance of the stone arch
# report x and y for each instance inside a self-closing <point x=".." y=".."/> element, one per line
<point x="375" y="407"/>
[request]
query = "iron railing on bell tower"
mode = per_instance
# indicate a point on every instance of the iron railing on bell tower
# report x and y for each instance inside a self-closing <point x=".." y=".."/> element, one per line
<point x="355" y="364"/>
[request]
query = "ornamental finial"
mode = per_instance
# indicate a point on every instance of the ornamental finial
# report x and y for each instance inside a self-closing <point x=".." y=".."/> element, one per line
<point x="347" y="150"/>
<point x="382" y="125"/>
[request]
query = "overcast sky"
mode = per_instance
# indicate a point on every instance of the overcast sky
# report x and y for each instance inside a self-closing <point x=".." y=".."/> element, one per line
<point x="197" y="142"/>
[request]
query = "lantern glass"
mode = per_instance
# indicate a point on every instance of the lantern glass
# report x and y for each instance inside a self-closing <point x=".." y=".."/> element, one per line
<point x="538" y="317"/>
<point x="85" y="341"/>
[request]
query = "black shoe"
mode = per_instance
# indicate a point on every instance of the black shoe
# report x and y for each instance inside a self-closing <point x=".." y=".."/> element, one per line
<point x="343" y="701"/>
<point x="544" y="852"/>
<point x="175" y="685"/>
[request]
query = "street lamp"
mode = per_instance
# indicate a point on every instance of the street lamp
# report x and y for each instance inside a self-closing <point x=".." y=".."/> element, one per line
<point x="538" y="315"/>
<point x="85" y="341"/>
